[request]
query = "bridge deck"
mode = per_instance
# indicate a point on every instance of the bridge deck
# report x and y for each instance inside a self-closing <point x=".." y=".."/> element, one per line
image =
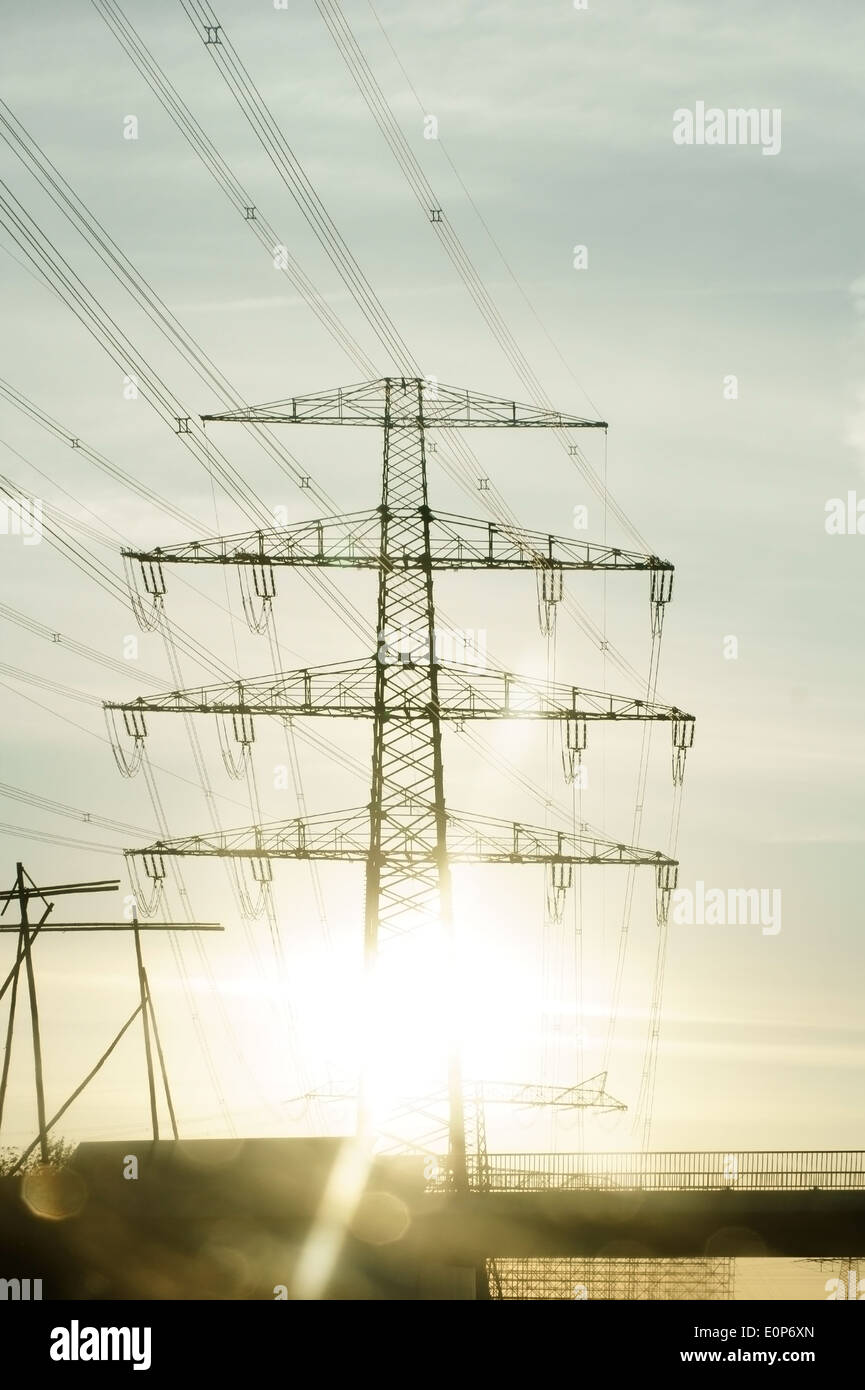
<point x="774" y="1170"/>
<point x="152" y="1237"/>
<point x="791" y="1202"/>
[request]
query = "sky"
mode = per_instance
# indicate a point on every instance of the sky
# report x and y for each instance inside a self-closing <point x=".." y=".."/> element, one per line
<point x="714" y="318"/>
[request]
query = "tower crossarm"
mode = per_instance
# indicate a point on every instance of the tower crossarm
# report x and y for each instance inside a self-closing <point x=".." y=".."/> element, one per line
<point x="403" y="401"/>
<point x="353" y="541"/>
<point x="343" y="835"/>
<point x="474" y="839"/>
<point x="347" y="690"/>
<point x="465" y="692"/>
<point x="462" y="542"/>
<point x="590" y="1094"/>
<point x="471" y="839"/>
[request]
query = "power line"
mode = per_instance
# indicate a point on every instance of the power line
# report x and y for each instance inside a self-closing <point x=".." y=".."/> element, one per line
<point x="427" y="200"/>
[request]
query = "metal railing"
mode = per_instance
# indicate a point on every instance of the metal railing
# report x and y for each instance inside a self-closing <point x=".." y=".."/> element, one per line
<point x="752" y="1171"/>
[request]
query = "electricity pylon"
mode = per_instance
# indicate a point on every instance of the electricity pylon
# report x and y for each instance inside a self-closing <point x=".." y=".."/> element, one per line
<point x="432" y="1111"/>
<point x="407" y="837"/>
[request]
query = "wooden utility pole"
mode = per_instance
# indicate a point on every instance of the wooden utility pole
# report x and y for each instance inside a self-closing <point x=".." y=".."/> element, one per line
<point x="24" y="891"/>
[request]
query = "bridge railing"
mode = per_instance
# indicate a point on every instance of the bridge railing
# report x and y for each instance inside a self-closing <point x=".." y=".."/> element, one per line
<point x="749" y="1170"/>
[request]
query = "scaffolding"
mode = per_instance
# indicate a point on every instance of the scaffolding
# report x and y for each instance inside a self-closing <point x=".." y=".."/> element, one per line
<point x="633" y="1280"/>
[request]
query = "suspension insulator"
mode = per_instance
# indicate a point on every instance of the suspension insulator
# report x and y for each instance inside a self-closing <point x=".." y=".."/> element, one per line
<point x="574" y="738"/>
<point x="552" y="583"/>
<point x="550" y="592"/>
<point x="683" y="739"/>
<point x="661" y="593"/>
<point x="561" y="878"/>
<point x="244" y="728"/>
<point x="153" y="578"/>
<point x="134" y="723"/>
<point x="146" y="903"/>
<point x="264" y="580"/>
<point x="242" y="734"/>
<point x="262" y="870"/>
<point x="154" y="867"/>
<point x="135" y="727"/>
<point x="666" y="878"/>
<point x="147" y="615"/>
<point x="256" y="597"/>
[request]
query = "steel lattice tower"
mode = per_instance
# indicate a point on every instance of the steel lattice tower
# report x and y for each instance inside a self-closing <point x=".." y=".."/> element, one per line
<point x="408" y="837"/>
<point x="407" y="801"/>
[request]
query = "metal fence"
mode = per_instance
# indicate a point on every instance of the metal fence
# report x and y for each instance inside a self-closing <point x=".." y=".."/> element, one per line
<point x="772" y="1170"/>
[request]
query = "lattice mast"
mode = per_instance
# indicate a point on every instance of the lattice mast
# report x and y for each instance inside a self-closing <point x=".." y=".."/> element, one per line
<point x="407" y="837"/>
<point x="407" y="800"/>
